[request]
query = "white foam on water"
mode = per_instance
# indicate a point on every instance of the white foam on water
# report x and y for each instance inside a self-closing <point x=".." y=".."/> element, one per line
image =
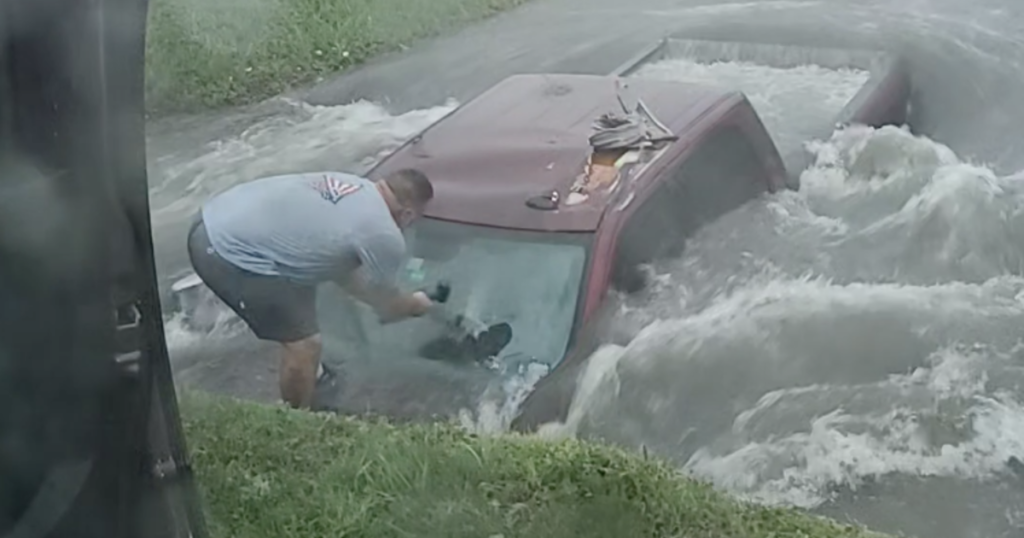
<point x="181" y="337"/>
<point x="501" y="401"/>
<point x="948" y="424"/>
<point x="301" y="137"/>
<point x="820" y="341"/>
<point x="916" y="206"/>
<point x="794" y="103"/>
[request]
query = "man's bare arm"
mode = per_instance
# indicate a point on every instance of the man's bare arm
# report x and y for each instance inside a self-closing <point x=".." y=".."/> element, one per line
<point x="389" y="302"/>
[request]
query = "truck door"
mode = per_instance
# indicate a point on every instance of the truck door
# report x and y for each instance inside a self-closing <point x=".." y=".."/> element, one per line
<point x="720" y="173"/>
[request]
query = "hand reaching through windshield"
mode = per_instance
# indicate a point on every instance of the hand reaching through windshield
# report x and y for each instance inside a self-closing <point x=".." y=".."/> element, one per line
<point x="441" y="292"/>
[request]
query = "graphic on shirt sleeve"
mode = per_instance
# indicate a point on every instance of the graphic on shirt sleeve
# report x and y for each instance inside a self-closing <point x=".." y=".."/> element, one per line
<point x="333" y="189"/>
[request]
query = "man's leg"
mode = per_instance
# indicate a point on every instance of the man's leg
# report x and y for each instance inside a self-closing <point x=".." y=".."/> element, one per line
<point x="300" y="361"/>
<point x="273" y="308"/>
<point x="285" y="313"/>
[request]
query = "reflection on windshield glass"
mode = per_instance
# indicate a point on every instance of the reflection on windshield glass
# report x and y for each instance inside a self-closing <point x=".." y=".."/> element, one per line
<point x="529" y="280"/>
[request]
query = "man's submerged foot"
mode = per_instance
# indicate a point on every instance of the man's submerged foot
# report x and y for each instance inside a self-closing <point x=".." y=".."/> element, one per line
<point x="327" y="391"/>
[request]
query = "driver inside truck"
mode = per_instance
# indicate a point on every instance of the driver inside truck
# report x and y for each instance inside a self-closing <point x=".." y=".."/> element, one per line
<point x="265" y="246"/>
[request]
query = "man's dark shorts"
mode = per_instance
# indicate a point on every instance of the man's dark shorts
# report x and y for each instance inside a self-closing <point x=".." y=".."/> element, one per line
<point x="273" y="307"/>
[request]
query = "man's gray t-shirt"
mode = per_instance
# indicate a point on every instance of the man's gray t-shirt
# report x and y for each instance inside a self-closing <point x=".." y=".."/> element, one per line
<point x="309" y="228"/>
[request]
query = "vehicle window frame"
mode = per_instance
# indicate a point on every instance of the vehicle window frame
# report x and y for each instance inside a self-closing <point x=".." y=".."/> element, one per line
<point x="630" y="253"/>
<point x="582" y="239"/>
<point x="585" y="239"/>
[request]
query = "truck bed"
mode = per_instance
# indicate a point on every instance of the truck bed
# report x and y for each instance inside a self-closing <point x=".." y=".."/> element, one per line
<point x="801" y="93"/>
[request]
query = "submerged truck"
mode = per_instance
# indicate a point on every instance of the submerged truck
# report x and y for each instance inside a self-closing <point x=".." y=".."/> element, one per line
<point x="551" y="190"/>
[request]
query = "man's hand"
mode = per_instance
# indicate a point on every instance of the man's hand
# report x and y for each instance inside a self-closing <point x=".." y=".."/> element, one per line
<point x="404" y="306"/>
<point x="418" y="303"/>
<point x="441" y="292"/>
<point x="421" y="303"/>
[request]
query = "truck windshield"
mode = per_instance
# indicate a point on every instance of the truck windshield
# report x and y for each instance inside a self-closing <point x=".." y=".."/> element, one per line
<point x="530" y="280"/>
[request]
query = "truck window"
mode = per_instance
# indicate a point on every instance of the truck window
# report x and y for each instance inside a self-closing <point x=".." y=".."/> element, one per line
<point x="722" y="174"/>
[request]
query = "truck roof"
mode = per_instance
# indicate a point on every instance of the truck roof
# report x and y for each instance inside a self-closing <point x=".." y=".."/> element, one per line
<point x="529" y="135"/>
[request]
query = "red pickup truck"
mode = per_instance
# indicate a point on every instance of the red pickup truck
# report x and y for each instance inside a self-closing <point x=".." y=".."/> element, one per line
<point x="552" y="189"/>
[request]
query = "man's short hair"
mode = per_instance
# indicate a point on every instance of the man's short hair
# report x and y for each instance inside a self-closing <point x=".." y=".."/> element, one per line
<point x="411" y="186"/>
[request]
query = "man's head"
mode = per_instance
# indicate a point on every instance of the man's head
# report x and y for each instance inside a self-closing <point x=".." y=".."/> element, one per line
<point x="406" y="192"/>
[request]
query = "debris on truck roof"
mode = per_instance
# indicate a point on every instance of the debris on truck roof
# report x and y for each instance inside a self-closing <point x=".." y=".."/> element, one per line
<point x="530" y="135"/>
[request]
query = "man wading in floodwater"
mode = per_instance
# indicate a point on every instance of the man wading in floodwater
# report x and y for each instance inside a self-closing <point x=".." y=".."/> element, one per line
<point x="263" y="247"/>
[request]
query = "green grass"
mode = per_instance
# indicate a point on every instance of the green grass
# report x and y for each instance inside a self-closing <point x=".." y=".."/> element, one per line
<point x="212" y="53"/>
<point x="270" y="472"/>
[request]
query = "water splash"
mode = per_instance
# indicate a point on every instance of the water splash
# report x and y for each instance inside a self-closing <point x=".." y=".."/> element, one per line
<point x="296" y="137"/>
<point x="792" y="102"/>
<point x="818" y="348"/>
<point x="854" y="341"/>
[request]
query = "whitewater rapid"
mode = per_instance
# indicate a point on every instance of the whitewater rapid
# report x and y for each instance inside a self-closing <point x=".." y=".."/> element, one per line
<point x="821" y="347"/>
<point x="847" y="348"/>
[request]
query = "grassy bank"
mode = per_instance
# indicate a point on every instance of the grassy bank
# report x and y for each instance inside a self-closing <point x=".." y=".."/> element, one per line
<point x="211" y="53"/>
<point x="269" y="472"/>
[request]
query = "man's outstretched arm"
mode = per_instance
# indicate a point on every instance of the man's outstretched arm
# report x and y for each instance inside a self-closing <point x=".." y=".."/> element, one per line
<point x="381" y="258"/>
<point x="390" y="303"/>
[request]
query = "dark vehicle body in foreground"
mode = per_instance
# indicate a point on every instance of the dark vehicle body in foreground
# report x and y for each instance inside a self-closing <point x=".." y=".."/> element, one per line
<point x="90" y="437"/>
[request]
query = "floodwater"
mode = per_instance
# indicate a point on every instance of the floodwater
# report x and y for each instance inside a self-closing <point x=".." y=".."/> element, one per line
<point x="852" y="348"/>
